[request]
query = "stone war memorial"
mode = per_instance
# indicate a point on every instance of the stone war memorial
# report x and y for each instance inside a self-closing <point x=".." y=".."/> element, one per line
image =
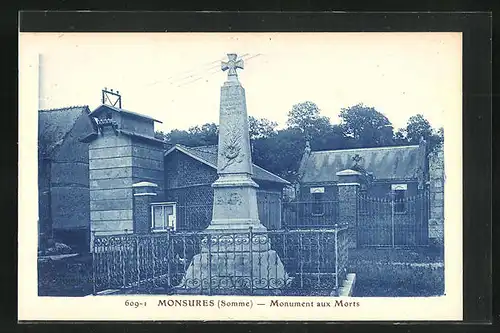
<point x="235" y="237"/>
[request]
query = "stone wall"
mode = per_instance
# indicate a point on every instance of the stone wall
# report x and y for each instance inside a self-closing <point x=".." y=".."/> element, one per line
<point x="44" y="217"/>
<point x="436" y="193"/>
<point x="116" y="162"/>
<point x="147" y="162"/>
<point x="182" y="170"/>
<point x="68" y="174"/>
<point x="110" y="171"/>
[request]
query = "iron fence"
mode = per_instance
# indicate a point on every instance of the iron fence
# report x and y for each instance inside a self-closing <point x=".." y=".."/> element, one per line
<point x="275" y="215"/>
<point x="296" y="262"/>
<point x="193" y="217"/>
<point x="309" y="214"/>
<point x="388" y="221"/>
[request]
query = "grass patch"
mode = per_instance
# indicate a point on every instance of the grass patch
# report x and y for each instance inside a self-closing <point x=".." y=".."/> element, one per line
<point x="65" y="277"/>
<point x="385" y="272"/>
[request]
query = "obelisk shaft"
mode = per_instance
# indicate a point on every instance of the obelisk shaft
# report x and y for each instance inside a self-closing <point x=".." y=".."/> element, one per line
<point x="235" y="195"/>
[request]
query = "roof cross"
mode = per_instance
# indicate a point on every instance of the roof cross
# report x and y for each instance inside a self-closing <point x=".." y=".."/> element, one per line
<point x="356" y="158"/>
<point x="232" y="64"/>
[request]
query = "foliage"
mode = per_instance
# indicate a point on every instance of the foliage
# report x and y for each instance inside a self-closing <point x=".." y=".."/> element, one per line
<point x="261" y="128"/>
<point x="418" y="127"/>
<point x="367" y="126"/>
<point x="280" y="150"/>
<point x="203" y="135"/>
<point x="280" y="153"/>
<point x="306" y="118"/>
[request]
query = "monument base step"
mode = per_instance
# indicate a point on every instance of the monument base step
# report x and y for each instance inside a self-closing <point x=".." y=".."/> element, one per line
<point x="347" y="288"/>
<point x="234" y="273"/>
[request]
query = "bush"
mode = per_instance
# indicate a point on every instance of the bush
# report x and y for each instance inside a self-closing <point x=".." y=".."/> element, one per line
<point x="58" y="248"/>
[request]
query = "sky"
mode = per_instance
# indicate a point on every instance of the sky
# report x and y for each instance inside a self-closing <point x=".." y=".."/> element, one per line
<point x="176" y="78"/>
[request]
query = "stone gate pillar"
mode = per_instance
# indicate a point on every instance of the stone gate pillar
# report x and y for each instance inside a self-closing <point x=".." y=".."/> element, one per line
<point x="348" y="187"/>
<point x="144" y="194"/>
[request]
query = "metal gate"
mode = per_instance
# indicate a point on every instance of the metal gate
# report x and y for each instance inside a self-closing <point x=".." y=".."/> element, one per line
<point x="391" y="221"/>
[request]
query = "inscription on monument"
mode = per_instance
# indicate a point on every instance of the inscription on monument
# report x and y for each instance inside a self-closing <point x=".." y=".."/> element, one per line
<point x="230" y="105"/>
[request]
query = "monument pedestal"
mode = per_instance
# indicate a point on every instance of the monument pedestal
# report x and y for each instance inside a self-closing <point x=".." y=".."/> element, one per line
<point x="231" y="264"/>
<point x="235" y="205"/>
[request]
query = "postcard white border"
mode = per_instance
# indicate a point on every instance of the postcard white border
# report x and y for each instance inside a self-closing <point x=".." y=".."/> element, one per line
<point x="31" y="307"/>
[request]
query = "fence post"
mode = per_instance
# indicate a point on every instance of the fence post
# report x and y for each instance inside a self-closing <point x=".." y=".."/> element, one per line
<point x="250" y="234"/>
<point x="137" y="259"/>
<point x="348" y="191"/>
<point x="169" y="246"/>
<point x="301" y="262"/>
<point x="336" y="259"/>
<point x="209" y="261"/>
<point x="108" y="265"/>
<point x="144" y="194"/>
<point x="153" y="260"/>
<point x="123" y="253"/>
<point x="93" y="264"/>
<point x="392" y="217"/>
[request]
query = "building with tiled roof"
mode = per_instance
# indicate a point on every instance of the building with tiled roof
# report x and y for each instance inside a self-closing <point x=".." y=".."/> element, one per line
<point x="189" y="174"/>
<point x="63" y="177"/>
<point x="397" y="163"/>
<point x="391" y="186"/>
<point x="208" y="156"/>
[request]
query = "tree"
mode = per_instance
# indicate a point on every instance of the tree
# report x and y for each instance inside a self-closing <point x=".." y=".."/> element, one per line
<point x="306" y="118"/>
<point x="261" y="128"/>
<point x="418" y="127"/>
<point x="367" y="126"/>
<point x="400" y="137"/>
<point x="160" y="135"/>
<point x="203" y="135"/>
<point x="328" y="137"/>
<point x="280" y="153"/>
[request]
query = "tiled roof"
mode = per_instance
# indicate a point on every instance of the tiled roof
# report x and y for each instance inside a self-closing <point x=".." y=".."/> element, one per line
<point x="208" y="155"/>
<point x="55" y="124"/>
<point x="398" y="162"/>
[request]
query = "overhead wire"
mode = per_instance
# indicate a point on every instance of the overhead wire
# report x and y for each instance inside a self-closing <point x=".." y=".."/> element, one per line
<point x="196" y="74"/>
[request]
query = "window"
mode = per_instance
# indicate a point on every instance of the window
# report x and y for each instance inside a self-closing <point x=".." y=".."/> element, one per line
<point x="399" y="195"/>
<point x="163" y="216"/>
<point x="317" y="206"/>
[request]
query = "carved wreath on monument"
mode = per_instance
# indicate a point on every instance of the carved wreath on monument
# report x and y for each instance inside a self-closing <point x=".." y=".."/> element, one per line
<point x="231" y="149"/>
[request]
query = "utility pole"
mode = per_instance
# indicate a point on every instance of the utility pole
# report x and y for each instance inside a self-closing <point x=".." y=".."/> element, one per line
<point x="112" y="98"/>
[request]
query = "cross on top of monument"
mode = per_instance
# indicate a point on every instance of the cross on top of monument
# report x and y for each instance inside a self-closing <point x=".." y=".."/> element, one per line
<point x="232" y="64"/>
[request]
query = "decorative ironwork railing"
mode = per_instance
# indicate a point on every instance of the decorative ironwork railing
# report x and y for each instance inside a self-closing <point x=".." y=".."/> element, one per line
<point x="315" y="262"/>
